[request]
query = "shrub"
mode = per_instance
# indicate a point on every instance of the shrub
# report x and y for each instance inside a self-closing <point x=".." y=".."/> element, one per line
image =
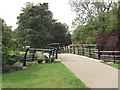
<point x="52" y="59"/>
<point x="40" y="60"/>
<point x="7" y="59"/>
<point x="108" y="41"/>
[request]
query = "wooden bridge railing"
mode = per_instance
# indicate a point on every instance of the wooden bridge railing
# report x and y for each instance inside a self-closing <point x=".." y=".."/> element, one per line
<point x="52" y="49"/>
<point x="109" y="55"/>
<point x="92" y="51"/>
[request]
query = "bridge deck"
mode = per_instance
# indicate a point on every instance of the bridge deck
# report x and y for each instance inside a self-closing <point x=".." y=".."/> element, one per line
<point x="93" y="73"/>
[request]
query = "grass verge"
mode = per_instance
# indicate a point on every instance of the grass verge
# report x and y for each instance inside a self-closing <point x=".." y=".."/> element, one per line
<point x="43" y="76"/>
<point x="112" y="64"/>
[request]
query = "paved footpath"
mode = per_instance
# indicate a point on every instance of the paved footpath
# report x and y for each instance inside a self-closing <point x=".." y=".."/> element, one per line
<point x="93" y="73"/>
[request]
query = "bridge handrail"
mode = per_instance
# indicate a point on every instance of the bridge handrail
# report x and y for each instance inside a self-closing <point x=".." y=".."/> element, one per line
<point x="36" y="49"/>
<point x="90" y="50"/>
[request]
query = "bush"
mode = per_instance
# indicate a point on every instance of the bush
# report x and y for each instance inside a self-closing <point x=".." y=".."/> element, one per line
<point x="40" y="60"/>
<point x="108" y="41"/>
<point x="52" y="59"/>
<point x="7" y="59"/>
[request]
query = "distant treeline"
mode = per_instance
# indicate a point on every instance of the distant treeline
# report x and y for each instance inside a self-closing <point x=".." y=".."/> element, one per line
<point x="97" y="22"/>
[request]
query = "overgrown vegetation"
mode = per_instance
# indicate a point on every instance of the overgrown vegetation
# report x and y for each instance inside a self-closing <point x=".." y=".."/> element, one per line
<point x="43" y="76"/>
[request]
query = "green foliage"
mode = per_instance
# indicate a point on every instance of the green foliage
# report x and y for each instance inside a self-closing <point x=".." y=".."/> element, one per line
<point x="43" y="76"/>
<point x="52" y="58"/>
<point x="6" y="35"/>
<point x="78" y="34"/>
<point x="37" y="28"/>
<point x="40" y="60"/>
<point x="60" y="34"/>
<point x="90" y="40"/>
<point x="95" y="19"/>
<point x="7" y="59"/>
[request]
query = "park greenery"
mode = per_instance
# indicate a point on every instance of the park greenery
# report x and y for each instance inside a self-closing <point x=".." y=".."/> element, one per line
<point x="112" y="64"/>
<point x="97" y="23"/>
<point x="36" y="28"/>
<point x="43" y="76"/>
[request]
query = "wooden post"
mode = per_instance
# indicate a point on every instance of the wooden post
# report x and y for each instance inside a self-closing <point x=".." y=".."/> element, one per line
<point x="82" y="50"/>
<point x="99" y="54"/>
<point x="114" y="57"/>
<point x="73" y="49"/>
<point x="65" y="49"/>
<point x="56" y="56"/>
<point x="24" y="60"/>
<point x="89" y="51"/>
<point x="78" y="51"/>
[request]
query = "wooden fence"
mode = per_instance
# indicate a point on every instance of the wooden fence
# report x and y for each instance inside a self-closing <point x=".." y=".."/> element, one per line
<point x="52" y="49"/>
<point x="92" y="51"/>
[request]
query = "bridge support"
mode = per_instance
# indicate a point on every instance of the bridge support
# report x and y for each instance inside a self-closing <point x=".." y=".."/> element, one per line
<point x="24" y="60"/>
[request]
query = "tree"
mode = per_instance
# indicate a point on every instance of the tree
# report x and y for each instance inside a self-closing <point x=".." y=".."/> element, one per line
<point x="37" y="28"/>
<point x="100" y="19"/>
<point x="7" y="47"/>
<point x="118" y="24"/>
<point x="60" y="34"/>
<point x="34" y="25"/>
<point x="6" y="35"/>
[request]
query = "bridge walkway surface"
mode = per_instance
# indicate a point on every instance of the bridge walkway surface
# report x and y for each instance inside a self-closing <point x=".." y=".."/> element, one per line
<point x="93" y="73"/>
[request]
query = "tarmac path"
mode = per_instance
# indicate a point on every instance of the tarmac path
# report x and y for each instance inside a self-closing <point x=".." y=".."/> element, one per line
<point x="93" y="73"/>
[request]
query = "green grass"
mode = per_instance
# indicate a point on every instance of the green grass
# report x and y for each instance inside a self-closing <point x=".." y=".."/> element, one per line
<point x="113" y="65"/>
<point x="43" y="76"/>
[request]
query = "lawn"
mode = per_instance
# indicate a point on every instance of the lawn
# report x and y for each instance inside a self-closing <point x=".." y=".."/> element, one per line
<point x="113" y="65"/>
<point x="43" y="76"/>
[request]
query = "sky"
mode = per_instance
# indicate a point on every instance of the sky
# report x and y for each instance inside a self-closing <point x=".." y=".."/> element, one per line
<point x="10" y="9"/>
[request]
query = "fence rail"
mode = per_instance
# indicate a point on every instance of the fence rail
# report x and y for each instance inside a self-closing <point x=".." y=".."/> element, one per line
<point x="92" y="51"/>
<point x="52" y="49"/>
